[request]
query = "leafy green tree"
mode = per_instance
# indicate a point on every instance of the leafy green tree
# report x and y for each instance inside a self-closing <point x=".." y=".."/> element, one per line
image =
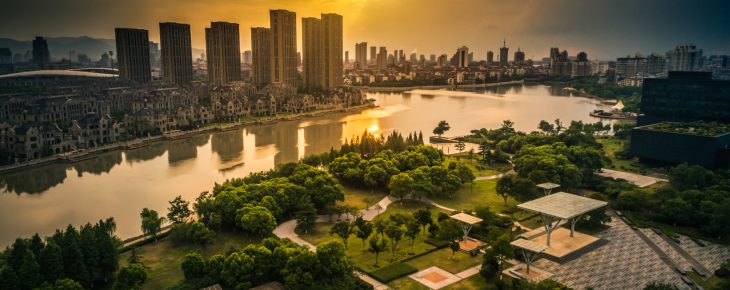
<point x="300" y="269"/>
<point x="450" y="231"/>
<point x="412" y="230"/>
<point x="343" y="230"/>
<point x="502" y="249"/>
<point x="423" y="217"/>
<point x="8" y="278"/>
<point x="455" y="247"/>
<point x="441" y="128"/>
<point x="179" y="210"/>
<point x="29" y="272"/>
<point x="401" y="185"/>
<point x="131" y="276"/>
<point x="324" y="188"/>
<point x="505" y="187"/>
<point x="306" y="215"/>
<point x="363" y="230"/>
<point x="378" y="244"/>
<point x="194" y="266"/>
<point x="685" y="176"/>
<point x="151" y="223"/>
<point x="237" y="270"/>
<point x="67" y="284"/>
<point x="460" y="146"/>
<point x="256" y="219"/>
<point x="395" y="234"/>
<point x="546" y="127"/>
<point x="51" y="262"/>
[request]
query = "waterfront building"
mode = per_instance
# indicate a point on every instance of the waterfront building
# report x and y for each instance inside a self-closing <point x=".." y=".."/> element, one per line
<point x="223" y="51"/>
<point x="283" y="46"/>
<point x="503" y="54"/>
<point x="361" y="55"/>
<point x="133" y="54"/>
<point x="176" y="53"/>
<point x="322" y="47"/>
<point x="261" y="55"/>
<point x="41" y="55"/>
<point x="312" y="50"/>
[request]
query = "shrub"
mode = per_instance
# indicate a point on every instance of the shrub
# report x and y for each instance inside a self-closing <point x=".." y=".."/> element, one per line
<point x="392" y="272"/>
<point x="436" y="243"/>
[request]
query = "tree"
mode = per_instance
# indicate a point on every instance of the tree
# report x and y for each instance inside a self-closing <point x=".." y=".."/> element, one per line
<point x="441" y="128"/>
<point x="131" y="276"/>
<point x="51" y="262"/>
<point x="67" y="284"/>
<point x="490" y="266"/>
<point x="8" y="278"/>
<point x="306" y="215"/>
<point x="401" y="185"/>
<point x="29" y="275"/>
<point x="423" y="217"/>
<point x="194" y="266"/>
<point x="256" y="219"/>
<point x="505" y="187"/>
<point x="343" y="230"/>
<point x="460" y="146"/>
<point x="501" y="248"/>
<point x="412" y="230"/>
<point x="546" y="127"/>
<point x="450" y="231"/>
<point x="179" y="210"/>
<point x="724" y="270"/>
<point x="660" y="286"/>
<point x="378" y="244"/>
<point x="364" y="230"/>
<point x="455" y="247"/>
<point x="237" y="270"/>
<point x="151" y="223"/>
<point x="395" y="234"/>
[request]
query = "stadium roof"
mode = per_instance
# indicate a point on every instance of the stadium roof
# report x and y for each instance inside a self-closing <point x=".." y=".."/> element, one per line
<point x="528" y="245"/>
<point x="467" y="219"/>
<point x="60" y="73"/>
<point x="562" y="205"/>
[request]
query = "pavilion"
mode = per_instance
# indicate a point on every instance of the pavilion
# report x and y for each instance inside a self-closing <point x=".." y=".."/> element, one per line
<point x="467" y="222"/>
<point x="548" y="187"/>
<point x="554" y="209"/>
<point x="530" y="250"/>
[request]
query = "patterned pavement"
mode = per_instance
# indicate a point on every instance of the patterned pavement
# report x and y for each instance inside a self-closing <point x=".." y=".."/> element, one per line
<point x="710" y="256"/>
<point x="668" y="249"/>
<point x="625" y="262"/>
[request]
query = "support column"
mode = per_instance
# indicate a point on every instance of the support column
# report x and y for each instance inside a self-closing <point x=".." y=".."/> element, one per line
<point x="548" y="223"/>
<point x="573" y="221"/>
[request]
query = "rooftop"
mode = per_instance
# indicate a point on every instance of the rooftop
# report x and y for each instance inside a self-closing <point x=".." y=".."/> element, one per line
<point x="467" y="219"/>
<point x="562" y="205"/>
<point x="548" y="185"/>
<point x="698" y="128"/>
<point x="529" y="245"/>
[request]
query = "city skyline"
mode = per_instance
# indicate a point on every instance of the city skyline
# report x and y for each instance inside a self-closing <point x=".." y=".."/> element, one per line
<point x="534" y="26"/>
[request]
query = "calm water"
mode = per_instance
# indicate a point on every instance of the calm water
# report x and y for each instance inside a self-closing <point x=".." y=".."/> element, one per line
<point x="120" y="184"/>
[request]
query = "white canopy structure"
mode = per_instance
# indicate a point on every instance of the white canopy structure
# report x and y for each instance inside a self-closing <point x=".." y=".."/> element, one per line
<point x="529" y="249"/>
<point x="548" y="187"/>
<point x="466" y="221"/>
<point x="561" y="206"/>
<point x="618" y="106"/>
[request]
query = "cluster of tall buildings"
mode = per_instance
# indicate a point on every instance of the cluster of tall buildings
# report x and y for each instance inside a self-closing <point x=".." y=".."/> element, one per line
<point x="562" y="65"/>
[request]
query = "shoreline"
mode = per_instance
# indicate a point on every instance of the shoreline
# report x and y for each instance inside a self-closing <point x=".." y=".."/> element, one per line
<point x="133" y="144"/>
<point x="435" y="87"/>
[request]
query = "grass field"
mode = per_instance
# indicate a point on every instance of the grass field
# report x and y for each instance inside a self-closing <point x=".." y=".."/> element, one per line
<point x="442" y="259"/>
<point x="164" y="258"/>
<point x="478" y="168"/>
<point x="481" y="193"/>
<point x="361" y="198"/>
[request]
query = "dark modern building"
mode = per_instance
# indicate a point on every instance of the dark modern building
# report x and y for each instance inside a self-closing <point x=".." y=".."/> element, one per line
<point x="176" y="53"/>
<point x="705" y="144"/>
<point x="223" y="49"/>
<point x="685" y="97"/>
<point x="283" y="46"/>
<point x="133" y="54"/>
<point x="41" y="55"/>
<point x="503" y="54"/>
<point x="261" y="55"/>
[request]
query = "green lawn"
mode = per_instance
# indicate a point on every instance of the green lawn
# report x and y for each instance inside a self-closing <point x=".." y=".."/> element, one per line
<point x="408" y="207"/>
<point x="483" y="193"/>
<point x="442" y="259"/>
<point x="709" y="284"/>
<point x="164" y="258"/>
<point x="361" y="198"/>
<point x="475" y="282"/>
<point x="478" y="168"/>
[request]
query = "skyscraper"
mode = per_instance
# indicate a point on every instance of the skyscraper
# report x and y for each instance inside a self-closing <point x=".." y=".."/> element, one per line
<point x="332" y="41"/>
<point x="503" y="54"/>
<point x="312" y="54"/>
<point x="361" y="55"/>
<point x="223" y="50"/>
<point x="133" y="54"/>
<point x="685" y="57"/>
<point x="373" y="54"/>
<point x="176" y="54"/>
<point x="490" y="57"/>
<point x="519" y="56"/>
<point x="6" y="56"/>
<point x="462" y="57"/>
<point x="261" y="55"/>
<point x="283" y="46"/>
<point x="347" y="56"/>
<point x="246" y="57"/>
<point x="154" y="55"/>
<point x="41" y="55"/>
<point x="382" y="59"/>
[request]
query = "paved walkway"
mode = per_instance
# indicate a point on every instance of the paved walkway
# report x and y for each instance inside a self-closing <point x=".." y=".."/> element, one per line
<point x="636" y="179"/>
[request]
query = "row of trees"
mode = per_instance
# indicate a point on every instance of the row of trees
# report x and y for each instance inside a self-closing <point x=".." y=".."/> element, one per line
<point x="367" y="146"/>
<point x="86" y="258"/>
<point x="274" y="260"/>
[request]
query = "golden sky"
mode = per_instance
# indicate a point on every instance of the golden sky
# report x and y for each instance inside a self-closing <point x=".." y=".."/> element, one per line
<point x="603" y="28"/>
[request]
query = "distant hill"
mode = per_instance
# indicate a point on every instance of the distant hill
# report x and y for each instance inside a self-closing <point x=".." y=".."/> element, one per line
<point x="61" y="46"/>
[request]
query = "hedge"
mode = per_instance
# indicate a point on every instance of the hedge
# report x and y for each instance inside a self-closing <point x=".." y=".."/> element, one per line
<point x="392" y="272"/>
<point x="436" y="243"/>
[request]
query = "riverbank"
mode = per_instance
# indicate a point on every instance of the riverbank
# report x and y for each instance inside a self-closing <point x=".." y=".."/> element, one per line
<point x="91" y="153"/>
<point x="436" y="87"/>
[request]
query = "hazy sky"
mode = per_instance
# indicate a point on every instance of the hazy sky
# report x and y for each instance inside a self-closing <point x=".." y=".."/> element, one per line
<point x="603" y="28"/>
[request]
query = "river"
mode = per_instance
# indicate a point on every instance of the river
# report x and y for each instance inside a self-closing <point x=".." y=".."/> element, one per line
<point x="119" y="184"/>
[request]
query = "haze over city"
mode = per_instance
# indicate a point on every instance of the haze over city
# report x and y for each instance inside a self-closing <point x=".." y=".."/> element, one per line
<point x="604" y="28"/>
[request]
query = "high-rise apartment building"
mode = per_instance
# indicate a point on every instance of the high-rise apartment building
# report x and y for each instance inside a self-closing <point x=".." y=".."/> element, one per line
<point x="133" y="54"/>
<point x="6" y="56"/>
<point x="503" y="54"/>
<point x="176" y="53"/>
<point x="382" y="59"/>
<point x="373" y="55"/>
<point x="261" y="55"/>
<point x="41" y="55"/>
<point x="490" y="57"/>
<point x="312" y="54"/>
<point x="322" y="51"/>
<point x="361" y="55"/>
<point x="154" y="55"/>
<point x="223" y="51"/>
<point x="246" y="57"/>
<point x="519" y="56"/>
<point x="462" y="57"/>
<point x="685" y="57"/>
<point x="283" y="28"/>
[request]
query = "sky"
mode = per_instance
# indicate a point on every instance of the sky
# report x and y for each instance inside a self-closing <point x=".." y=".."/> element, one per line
<point x="605" y="29"/>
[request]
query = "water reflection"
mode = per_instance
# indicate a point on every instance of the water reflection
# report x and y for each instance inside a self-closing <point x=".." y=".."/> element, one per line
<point x="120" y="184"/>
